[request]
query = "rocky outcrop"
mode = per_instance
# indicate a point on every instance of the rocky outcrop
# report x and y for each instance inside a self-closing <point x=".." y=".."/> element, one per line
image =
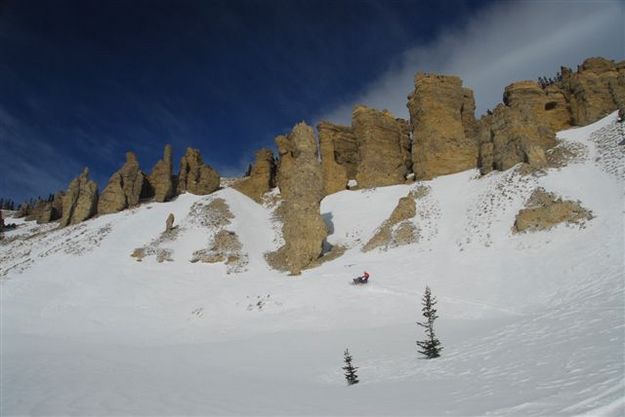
<point x="545" y="210"/>
<point x="548" y="105"/>
<point x="442" y="119"/>
<point x="196" y="177"/>
<point x="169" y="223"/>
<point x="595" y="90"/>
<point x="124" y="187"/>
<point x="334" y="174"/>
<point x="161" y="179"/>
<point x="46" y="211"/>
<point x="80" y="200"/>
<point x="509" y="136"/>
<point x="261" y="178"/>
<point x="301" y="185"/>
<point x="397" y="230"/>
<point x="383" y="147"/>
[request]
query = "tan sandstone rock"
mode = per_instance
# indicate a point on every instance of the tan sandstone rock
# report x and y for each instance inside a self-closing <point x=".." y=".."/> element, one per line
<point x="161" y="178"/>
<point x="169" y="223"/>
<point x="549" y="105"/>
<point x="595" y="90"/>
<point x="262" y="176"/>
<point x="442" y="119"/>
<point x="301" y="185"/>
<point x="124" y="187"/>
<point x="80" y="201"/>
<point x="545" y="210"/>
<point x="334" y="174"/>
<point x="513" y="135"/>
<point x="397" y="230"/>
<point x="196" y="177"/>
<point x="383" y="147"/>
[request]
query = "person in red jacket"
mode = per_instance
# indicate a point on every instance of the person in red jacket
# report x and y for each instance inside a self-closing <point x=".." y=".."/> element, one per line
<point x="362" y="279"/>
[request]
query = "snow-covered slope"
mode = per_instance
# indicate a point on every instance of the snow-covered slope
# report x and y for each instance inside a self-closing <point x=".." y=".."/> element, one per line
<point x="531" y="324"/>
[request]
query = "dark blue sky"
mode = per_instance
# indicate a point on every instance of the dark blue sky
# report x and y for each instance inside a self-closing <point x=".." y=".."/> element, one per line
<point x="82" y="82"/>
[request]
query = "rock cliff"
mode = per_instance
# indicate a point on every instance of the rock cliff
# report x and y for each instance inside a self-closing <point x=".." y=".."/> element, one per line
<point x="383" y="147"/>
<point x="443" y="126"/>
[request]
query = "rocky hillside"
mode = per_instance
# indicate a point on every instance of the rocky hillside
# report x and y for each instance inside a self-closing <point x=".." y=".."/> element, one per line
<point x="173" y="308"/>
<point x="442" y="137"/>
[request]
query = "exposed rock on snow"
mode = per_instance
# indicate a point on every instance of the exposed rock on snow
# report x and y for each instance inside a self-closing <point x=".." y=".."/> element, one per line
<point x="398" y="230"/>
<point x="169" y="223"/>
<point x="124" y="189"/>
<point x="214" y="215"/>
<point x="196" y="177"/>
<point x="80" y="200"/>
<point x="225" y="247"/>
<point x="161" y="180"/>
<point x="443" y="126"/>
<point x="262" y="177"/>
<point x="545" y="210"/>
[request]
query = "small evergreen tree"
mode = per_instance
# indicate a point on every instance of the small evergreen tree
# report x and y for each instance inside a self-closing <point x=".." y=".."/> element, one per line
<point x="350" y="370"/>
<point x="431" y="347"/>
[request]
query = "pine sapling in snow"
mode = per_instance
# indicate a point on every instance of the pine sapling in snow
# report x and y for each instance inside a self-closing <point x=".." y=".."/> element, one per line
<point x="431" y="347"/>
<point x="350" y="370"/>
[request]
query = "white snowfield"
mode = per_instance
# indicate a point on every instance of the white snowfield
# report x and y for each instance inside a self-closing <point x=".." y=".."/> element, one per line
<point x="532" y="324"/>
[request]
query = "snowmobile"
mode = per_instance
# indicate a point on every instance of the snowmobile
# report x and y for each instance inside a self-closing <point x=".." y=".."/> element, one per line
<point x="364" y="279"/>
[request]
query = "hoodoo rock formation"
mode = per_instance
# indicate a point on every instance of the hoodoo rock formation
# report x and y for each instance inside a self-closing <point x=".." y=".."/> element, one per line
<point x="80" y="201"/>
<point x="262" y="176"/>
<point x="196" y="177"/>
<point x="124" y="188"/>
<point x="443" y="125"/>
<point x="161" y="180"/>
<point x="383" y="147"/>
<point x="301" y="187"/>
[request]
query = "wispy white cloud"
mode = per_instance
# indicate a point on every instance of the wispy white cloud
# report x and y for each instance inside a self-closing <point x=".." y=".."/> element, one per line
<point x="507" y="42"/>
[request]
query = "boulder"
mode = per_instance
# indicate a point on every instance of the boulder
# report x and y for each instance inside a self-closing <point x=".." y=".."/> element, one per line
<point x="169" y="223"/>
<point x="442" y="120"/>
<point x="196" y="177"/>
<point x="261" y="178"/>
<point x="124" y="187"/>
<point x="383" y="147"/>
<point x="334" y="174"/>
<point x="161" y="178"/>
<point x="301" y="185"/>
<point x="80" y="200"/>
